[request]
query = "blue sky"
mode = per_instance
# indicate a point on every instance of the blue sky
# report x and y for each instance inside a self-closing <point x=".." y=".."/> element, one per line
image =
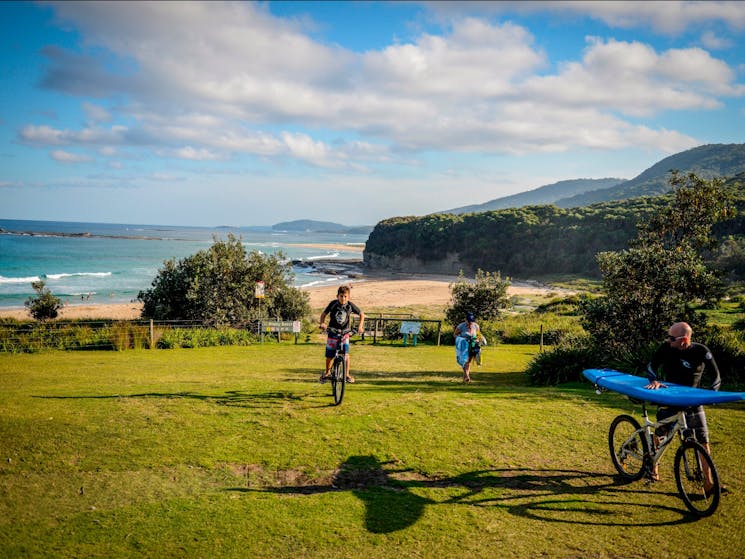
<point x="251" y="113"/>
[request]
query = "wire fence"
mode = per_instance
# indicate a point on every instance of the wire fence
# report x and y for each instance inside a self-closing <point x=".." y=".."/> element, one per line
<point x="23" y="337"/>
<point x="118" y="335"/>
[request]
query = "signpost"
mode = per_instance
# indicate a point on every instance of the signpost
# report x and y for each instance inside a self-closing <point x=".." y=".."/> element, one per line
<point x="259" y="294"/>
<point x="410" y="328"/>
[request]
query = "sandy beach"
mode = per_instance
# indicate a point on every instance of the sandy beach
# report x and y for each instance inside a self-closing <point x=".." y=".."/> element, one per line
<point x="383" y="292"/>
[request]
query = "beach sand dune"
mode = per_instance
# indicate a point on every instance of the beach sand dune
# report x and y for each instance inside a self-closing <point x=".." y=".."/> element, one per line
<point x="389" y="292"/>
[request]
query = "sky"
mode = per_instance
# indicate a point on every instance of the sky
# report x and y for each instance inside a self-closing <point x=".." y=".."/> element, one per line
<point x="252" y="113"/>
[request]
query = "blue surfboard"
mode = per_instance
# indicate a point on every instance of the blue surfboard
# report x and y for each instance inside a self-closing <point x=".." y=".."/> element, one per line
<point x="673" y="395"/>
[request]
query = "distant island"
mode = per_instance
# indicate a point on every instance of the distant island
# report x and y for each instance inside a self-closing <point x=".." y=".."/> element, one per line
<point x="310" y="225"/>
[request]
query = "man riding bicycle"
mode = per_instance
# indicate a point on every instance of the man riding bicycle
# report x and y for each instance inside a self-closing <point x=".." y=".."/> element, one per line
<point x="340" y="312"/>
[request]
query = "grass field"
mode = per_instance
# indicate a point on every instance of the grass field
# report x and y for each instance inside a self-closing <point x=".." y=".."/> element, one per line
<point x="238" y="452"/>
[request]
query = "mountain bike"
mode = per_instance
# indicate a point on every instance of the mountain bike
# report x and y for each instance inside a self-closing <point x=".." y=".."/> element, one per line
<point x="635" y="450"/>
<point x="339" y="365"/>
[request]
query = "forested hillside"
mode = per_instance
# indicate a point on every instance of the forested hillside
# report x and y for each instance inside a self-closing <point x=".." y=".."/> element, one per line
<point x="527" y="241"/>
<point x="708" y="161"/>
<point x="547" y="194"/>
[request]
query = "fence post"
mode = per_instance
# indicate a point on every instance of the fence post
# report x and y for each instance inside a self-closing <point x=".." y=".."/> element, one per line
<point x="152" y="335"/>
<point x="541" y="347"/>
<point x="439" y="329"/>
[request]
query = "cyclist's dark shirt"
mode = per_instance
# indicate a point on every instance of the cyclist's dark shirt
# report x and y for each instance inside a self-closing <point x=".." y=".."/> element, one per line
<point x="340" y="315"/>
<point x="682" y="366"/>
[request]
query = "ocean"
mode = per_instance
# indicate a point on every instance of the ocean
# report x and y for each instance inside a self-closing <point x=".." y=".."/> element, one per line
<point x="98" y="263"/>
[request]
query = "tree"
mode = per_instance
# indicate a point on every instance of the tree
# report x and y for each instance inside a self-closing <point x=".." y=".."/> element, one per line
<point x="657" y="280"/>
<point x="44" y="305"/>
<point x="217" y="286"/>
<point x="486" y="296"/>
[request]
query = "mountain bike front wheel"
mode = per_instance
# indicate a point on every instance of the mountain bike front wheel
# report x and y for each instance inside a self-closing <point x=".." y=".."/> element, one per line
<point x="338" y="379"/>
<point x="629" y="450"/>
<point x="691" y="465"/>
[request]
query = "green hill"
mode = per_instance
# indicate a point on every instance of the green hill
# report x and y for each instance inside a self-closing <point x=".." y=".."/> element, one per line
<point x="532" y="240"/>
<point x="708" y="161"/>
<point x="548" y="194"/>
<point x="311" y="225"/>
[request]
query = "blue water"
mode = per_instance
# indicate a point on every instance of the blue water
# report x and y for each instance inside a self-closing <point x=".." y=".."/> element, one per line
<point x="116" y="261"/>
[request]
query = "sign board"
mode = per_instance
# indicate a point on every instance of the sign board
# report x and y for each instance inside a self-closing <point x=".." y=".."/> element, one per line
<point x="259" y="292"/>
<point x="281" y="326"/>
<point x="409" y="327"/>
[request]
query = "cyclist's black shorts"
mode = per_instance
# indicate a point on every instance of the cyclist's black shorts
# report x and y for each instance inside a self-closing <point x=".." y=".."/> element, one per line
<point x="695" y="418"/>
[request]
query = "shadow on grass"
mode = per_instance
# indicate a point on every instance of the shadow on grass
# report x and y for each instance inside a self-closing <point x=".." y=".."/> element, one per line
<point x="429" y="381"/>
<point x="399" y="382"/>
<point x="567" y="496"/>
<point x="229" y="398"/>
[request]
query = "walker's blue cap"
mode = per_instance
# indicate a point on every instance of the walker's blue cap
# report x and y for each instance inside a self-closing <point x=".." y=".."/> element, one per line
<point x="470" y="317"/>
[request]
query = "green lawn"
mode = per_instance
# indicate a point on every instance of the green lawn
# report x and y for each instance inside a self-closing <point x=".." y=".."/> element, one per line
<point x="238" y="452"/>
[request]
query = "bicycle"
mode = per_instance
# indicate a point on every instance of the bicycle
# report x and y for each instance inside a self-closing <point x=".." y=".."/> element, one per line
<point x="339" y="365"/>
<point x="635" y="450"/>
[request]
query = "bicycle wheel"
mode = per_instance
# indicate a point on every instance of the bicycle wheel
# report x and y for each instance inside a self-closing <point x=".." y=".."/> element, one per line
<point x="338" y="380"/>
<point x="628" y="447"/>
<point x="691" y="462"/>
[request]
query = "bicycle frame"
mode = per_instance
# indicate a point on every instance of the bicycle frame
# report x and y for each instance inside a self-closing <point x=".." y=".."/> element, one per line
<point x="679" y="427"/>
<point x="338" y="381"/>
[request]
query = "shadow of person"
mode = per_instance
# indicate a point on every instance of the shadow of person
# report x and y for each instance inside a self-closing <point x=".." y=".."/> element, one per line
<point x="389" y="505"/>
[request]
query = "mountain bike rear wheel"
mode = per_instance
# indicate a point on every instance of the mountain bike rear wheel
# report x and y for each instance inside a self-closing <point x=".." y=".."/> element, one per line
<point x="691" y="464"/>
<point x="628" y="447"/>
<point x="338" y="379"/>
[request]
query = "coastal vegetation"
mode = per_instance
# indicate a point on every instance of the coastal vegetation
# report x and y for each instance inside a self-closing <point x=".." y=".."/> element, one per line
<point x="659" y="279"/>
<point x="485" y="296"/>
<point x="218" y="286"/>
<point x="538" y="240"/>
<point x="236" y="452"/>
<point x="44" y="305"/>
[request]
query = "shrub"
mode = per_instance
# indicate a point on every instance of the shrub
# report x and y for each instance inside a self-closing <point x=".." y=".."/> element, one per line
<point x="728" y="348"/>
<point x="526" y="329"/>
<point x="217" y="287"/>
<point x="44" y="305"/>
<point x="562" y="364"/>
<point x="486" y="297"/>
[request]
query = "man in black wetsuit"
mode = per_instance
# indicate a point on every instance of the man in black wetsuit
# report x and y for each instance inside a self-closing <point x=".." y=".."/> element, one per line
<point x="682" y="361"/>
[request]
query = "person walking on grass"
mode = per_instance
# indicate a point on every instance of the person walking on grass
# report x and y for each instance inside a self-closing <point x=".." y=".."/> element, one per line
<point x="468" y="341"/>
<point x="682" y="361"/>
<point x="340" y="312"/>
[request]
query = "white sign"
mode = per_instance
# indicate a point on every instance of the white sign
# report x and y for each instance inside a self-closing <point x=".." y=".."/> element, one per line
<point x="410" y="327"/>
<point x="259" y="293"/>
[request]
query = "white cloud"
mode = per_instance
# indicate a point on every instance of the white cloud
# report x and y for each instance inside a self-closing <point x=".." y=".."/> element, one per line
<point x="96" y="113"/>
<point x="665" y="16"/>
<point x="714" y="41"/>
<point x="634" y="79"/>
<point x="193" y="154"/>
<point x="67" y="157"/>
<point x="46" y="135"/>
<point x="253" y="84"/>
